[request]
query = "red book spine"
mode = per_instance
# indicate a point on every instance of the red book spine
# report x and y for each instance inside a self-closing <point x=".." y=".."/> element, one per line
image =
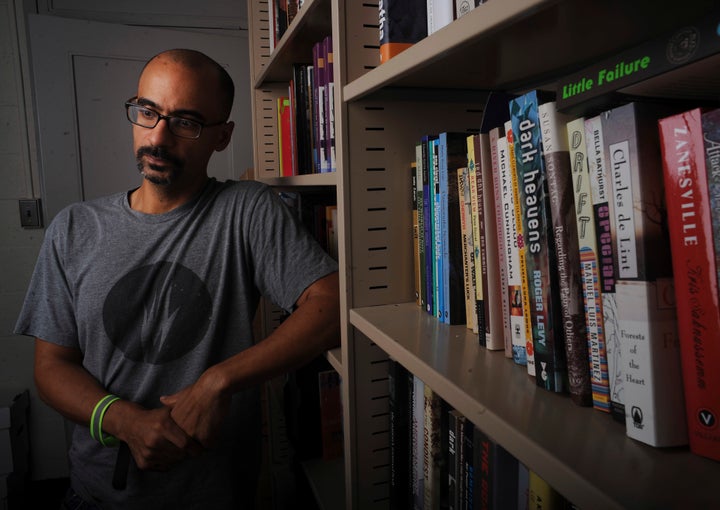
<point x="696" y="288"/>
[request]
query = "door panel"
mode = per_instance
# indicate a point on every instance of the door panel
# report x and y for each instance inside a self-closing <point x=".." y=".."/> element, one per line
<point x="83" y="72"/>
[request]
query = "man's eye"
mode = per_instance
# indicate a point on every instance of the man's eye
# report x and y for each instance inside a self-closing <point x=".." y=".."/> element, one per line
<point x="148" y="114"/>
<point x="185" y="123"/>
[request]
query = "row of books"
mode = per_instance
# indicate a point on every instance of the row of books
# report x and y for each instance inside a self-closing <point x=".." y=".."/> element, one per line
<point x="306" y="116"/>
<point x="565" y="219"/>
<point x="440" y="459"/>
<point x="281" y="13"/>
<point x="402" y="23"/>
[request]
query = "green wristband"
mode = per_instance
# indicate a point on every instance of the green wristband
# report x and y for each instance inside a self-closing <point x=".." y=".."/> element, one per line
<point x="96" y="420"/>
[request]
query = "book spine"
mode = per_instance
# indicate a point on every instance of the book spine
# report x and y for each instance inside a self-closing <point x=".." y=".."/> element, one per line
<point x="418" y="445"/>
<point x="484" y="460"/>
<point x="434" y="459"/>
<point x="438" y="285"/>
<point x="468" y="464"/>
<point x="500" y="268"/>
<point x="504" y="241"/>
<point x="454" y="424"/>
<point x="539" y="249"/>
<point x="467" y="248"/>
<point x="439" y="14"/>
<point x="524" y="283"/>
<point x="515" y="291"/>
<point x="420" y="176"/>
<point x="415" y="230"/>
<point x="478" y="229"/>
<point x="682" y="140"/>
<point x="398" y="30"/>
<point x="553" y="126"/>
<point x="428" y="221"/>
<point x="601" y="189"/>
<point x="654" y="405"/>
<point x="329" y="104"/>
<point x="592" y="299"/>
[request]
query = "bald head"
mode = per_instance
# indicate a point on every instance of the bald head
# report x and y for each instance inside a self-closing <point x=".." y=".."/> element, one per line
<point x="203" y="66"/>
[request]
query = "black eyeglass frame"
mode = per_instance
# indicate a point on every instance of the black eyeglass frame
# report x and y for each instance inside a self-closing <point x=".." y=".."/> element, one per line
<point x="129" y="103"/>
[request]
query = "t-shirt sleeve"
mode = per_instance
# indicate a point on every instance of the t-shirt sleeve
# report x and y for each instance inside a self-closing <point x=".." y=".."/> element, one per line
<point x="47" y="312"/>
<point x="287" y="259"/>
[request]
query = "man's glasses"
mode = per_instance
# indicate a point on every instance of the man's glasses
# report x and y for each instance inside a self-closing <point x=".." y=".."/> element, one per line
<point x="145" y="117"/>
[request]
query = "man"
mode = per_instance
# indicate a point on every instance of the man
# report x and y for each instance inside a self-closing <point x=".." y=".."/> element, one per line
<point x="141" y="305"/>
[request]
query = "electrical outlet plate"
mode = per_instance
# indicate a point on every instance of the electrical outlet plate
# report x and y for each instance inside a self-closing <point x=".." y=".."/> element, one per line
<point x="30" y="213"/>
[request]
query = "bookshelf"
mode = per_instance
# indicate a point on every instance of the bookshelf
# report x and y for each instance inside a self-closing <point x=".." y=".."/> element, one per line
<point x="441" y="83"/>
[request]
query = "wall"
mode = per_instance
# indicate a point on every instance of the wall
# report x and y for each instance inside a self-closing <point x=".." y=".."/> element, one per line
<point x="19" y="247"/>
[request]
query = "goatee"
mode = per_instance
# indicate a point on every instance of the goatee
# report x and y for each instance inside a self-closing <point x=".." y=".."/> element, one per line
<point x="161" y="175"/>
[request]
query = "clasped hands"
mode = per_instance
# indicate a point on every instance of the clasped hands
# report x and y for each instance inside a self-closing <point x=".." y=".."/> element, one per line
<point x="188" y="422"/>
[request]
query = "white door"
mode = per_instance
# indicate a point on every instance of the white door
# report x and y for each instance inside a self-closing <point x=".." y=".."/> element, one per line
<point x="83" y="72"/>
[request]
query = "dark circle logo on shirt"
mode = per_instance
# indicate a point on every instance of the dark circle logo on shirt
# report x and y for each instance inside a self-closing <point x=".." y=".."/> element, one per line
<point x="157" y="313"/>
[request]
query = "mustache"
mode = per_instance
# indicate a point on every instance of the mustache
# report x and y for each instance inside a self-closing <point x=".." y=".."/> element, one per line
<point x="159" y="153"/>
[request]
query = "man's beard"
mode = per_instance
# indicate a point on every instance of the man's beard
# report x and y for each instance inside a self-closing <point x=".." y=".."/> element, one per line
<point x="164" y="175"/>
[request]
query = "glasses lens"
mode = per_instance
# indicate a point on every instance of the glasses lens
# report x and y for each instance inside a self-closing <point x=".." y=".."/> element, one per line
<point x="142" y="116"/>
<point x="184" y="127"/>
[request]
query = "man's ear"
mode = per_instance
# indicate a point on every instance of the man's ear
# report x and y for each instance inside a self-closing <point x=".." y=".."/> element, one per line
<point x="224" y="136"/>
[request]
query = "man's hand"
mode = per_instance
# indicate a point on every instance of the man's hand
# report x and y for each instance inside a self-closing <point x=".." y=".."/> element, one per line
<point x="200" y="409"/>
<point x="156" y="442"/>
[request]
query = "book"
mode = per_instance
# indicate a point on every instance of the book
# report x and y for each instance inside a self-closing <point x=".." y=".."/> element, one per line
<point x="682" y="143"/>
<point x="429" y="229"/>
<point x="553" y="127"/>
<point x="284" y="137"/>
<point x="402" y="23"/>
<point x="455" y="424"/>
<point x="452" y="155"/>
<point x="420" y="201"/>
<point x="437" y="220"/>
<point x="468" y="465"/>
<point x="321" y="161"/>
<point x="671" y="51"/>
<point x="467" y="248"/>
<point x="399" y="405"/>
<point x="654" y="405"/>
<point x="435" y="450"/>
<point x="601" y="189"/>
<point x="587" y="249"/>
<point x="331" y="414"/>
<point x="550" y="369"/>
<point x="417" y="462"/>
<point x="711" y="143"/>
<point x="478" y="235"/>
<point x="541" y="495"/>
<point x="529" y="353"/>
<point x="415" y="229"/>
<point x="496" y="134"/>
<point x="496" y="475"/>
<point x="329" y="97"/>
<point x="303" y="121"/>
<point x="440" y="13"/>
<point x="514" y="293"/>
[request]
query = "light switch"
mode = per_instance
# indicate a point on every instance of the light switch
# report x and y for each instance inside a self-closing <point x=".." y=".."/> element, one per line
<point x="30" y="216"/>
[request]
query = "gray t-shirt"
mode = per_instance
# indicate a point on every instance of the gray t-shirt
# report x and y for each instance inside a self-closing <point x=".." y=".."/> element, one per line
<point x="151" y="301"/>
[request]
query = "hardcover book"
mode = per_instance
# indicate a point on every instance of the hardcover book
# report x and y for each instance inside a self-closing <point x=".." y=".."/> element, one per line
<point x="550" y="368"/>
<point x="284" y="137"/>
<point x="654" y="405"/>
<point x="400" y="392"/>
<point x="567" y="252"/>
<point x="455" y="423"/>
<point x="402" y="23"/>
<point x="590" y="278"/>
<point x="513" y="244"/>
<point x="601" y="189"/>
<point x="683" y="143"/>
